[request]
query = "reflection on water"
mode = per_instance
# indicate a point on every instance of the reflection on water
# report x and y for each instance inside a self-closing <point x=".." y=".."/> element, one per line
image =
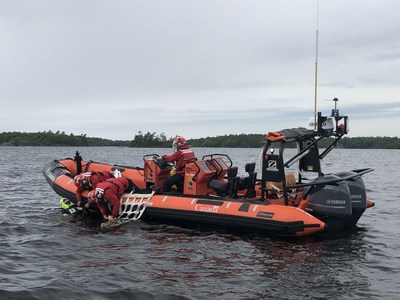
<point x="46" y="255"/>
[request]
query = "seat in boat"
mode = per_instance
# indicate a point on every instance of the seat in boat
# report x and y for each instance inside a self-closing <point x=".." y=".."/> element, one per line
<point x="248" y="183"/>
<point x="225" y="188"/>
<point x="235" y="183"/>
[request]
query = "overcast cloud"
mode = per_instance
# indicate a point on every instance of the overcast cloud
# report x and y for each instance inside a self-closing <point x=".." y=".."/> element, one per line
<point x="196" y="68"/>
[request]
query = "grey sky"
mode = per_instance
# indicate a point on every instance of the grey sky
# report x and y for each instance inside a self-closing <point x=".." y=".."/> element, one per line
<point x="196" y="68"/>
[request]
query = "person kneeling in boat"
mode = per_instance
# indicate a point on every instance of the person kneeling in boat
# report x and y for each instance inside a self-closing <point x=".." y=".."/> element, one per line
<point x="88" y="181"/>
<point x="182" y="153"/>
<point x="110" y="192"/>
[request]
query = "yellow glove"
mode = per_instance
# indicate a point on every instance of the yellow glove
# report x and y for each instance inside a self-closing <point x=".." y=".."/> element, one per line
<point x="172" y="172"/>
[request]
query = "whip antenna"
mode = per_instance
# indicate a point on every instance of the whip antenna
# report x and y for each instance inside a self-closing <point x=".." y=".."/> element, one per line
<point x="316" y="73"/>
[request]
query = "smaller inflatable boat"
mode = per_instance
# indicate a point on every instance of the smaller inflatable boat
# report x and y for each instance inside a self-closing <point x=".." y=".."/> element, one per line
<point x="277" y="202"/>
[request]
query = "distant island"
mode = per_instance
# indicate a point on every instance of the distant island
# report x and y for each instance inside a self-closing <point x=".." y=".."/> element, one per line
<point x="144" y="140"/>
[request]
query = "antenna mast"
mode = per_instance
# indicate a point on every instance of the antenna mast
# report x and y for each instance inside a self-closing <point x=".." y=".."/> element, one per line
<point x="316" y="73"/>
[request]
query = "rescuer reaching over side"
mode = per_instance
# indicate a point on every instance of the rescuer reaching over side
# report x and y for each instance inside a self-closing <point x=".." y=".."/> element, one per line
<point x="108" y="193"/>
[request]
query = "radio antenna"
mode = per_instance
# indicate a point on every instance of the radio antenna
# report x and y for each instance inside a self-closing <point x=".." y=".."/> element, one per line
<point x="316" y="73"/>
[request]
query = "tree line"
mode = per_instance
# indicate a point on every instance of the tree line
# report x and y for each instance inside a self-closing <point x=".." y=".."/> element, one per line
<point x="257" y="140"/>
<point x="49" y="138"/>
<point x="152" y="139"/>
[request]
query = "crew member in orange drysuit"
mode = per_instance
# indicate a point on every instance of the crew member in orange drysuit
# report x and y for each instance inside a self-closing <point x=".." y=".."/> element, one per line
<point x="182" y="152"/>
<point x="88" y="181"/>
<point x="110" y="192"/>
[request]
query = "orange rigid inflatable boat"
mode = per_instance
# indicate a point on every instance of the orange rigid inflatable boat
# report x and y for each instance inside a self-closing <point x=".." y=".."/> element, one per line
<point x="278" y="202"/>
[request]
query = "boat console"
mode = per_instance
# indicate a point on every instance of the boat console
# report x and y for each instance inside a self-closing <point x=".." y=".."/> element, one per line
<point x="156" y="170"/>
<point x="197" y="176"/>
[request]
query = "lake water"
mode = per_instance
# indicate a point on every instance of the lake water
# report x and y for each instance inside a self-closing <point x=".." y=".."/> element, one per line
<point x="49" y="256"/>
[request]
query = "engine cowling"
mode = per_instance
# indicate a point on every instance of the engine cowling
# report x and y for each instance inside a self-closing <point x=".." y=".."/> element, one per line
<point x="330" y="201"/>
<point x="358" y="196"/>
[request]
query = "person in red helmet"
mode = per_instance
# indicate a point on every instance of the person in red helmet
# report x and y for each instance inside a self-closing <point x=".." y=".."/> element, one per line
<point x="110" y="192"/>
<point x="88" y="181"/>
<point x="182" y="153"/>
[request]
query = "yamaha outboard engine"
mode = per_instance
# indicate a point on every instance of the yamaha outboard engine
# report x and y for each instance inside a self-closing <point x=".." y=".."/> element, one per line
<point x="330" y="201"/>
<point x="358" y="197"/>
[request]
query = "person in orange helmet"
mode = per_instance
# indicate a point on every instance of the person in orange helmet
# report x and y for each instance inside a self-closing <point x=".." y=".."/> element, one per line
<point x="110" y="192"/>
<point x="88" y="181"/>
<point x="182" y="153"/>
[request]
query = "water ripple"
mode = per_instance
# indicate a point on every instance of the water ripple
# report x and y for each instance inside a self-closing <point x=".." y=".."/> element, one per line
<point x="49" y="256"/>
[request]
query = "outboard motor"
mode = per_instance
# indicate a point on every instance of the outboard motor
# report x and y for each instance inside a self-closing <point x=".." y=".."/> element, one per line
<point x="330" y="201"/>
<point x="358" y="197"/>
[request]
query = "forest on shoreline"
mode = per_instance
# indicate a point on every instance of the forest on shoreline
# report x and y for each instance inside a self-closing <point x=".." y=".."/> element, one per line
<point x="144" y="140"/>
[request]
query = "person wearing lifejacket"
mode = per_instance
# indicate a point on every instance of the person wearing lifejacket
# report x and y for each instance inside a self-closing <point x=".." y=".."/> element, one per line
<point x="110" y="192"/>
<point x="182" y="153"/>
<point x="66" y="206"/>
<point x="88" y="181"/>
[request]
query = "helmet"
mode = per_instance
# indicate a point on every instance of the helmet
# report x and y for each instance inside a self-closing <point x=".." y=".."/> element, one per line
<point x="78" y="180"/>
<point x="82" y="179"/>
<point x="99" y="194"/>
<point x="91" y="196"/>
<point x="178" y="142"/>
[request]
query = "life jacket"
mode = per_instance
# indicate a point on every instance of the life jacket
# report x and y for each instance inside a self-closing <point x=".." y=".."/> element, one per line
<point x="186" y="154"/>
<point x="103" y="175"/>
<point x="99" y="176"/>
<point x="119" y="185"/>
